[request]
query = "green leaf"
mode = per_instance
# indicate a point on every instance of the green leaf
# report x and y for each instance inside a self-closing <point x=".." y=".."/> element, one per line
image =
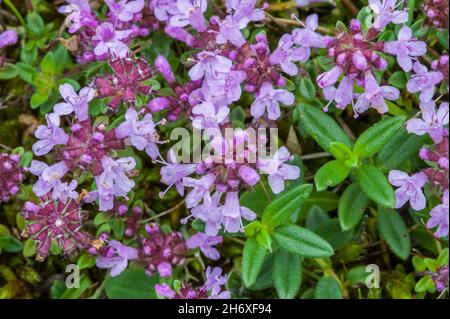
<point x="331" y="231"/>
<point x="10" y="244"/>
<point x="330" y="174"/>
<point x="280" y="210"/>
<point x="315" y="217"/>
<point x="256" y="199"/>
<point x="287" y="274"/>
<point x="77" y="292"/>
<point x="131" y="284"/>
<point x="393" y="230"/>
<point x="38" y="98"/>
<point x="425" y="284"/>
<point x="375" y="185"/>
<point x="307" y="88"/>
<point x="398" y="79"/>
<point x="265" y="279"/>
<point x="351" y="206"/>
<point x="48" y="64"/>
<point x="326" y="200"/>
<point x="252" y="261"/>
<point x="8" y="72"/>
<point x="322" y="127"/>
<point x="399" y="149"/>
<point x="339" y="150"/>
<point x="301" y="241"/>
<point x="29" y="248"/>
<point x="374" y="138"/>
<point x="328" y="288"/>
<point x="86" y="261"/>
<point x="263" y="238"/>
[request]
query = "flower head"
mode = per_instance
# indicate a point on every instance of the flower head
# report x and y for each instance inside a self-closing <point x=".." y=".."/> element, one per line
<point x="423" y="81"/>
<point x="406" y="48"/>
<point x="160" y="251"/>
<point x="49" y="135"/>
<point x="124" y="10"/>
<point x="433" y="122"/>
<point x="206" y="244"/>
<point x="74" y="102"/>
<point x="11" y="174"/>
<point x="385" y="13"/>
<point x="115" y="257"/>
<point x="53" y="220"/>
<point x="439" y="217"/>
<point x="110" y="41"/>
<point x="7" y="38"/>
<point x="410" y="189"/>
<point x="268" y="99"/>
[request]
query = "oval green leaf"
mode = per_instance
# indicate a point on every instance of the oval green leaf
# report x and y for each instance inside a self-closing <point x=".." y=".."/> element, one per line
<point x="374" y="138"/>
<point x="252" y="261"/>
<point x="287" y="274"/>
<point x="351" y="206"/>
<point x="375" y="185"/>
<point x="301" y="241"/>
<point x="394" y="232"/>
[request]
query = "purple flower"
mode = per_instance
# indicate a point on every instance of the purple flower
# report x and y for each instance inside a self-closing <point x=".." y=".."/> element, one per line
<point x="305" y="3"/>
<point x="164" y="68"/>
<point x="248" y="175"/>
<point x="233" y="212"/>
<point x="405" y="48"/>
<point x="209" y="64"/>
<point x="58" y="222"/>
<point x="64" y="191"/>
<point x="211" y="289"/>
<point x="49" y="135"/>
<point x="11" y="174"/>
<point x="8" y="37"/>
<point x="209" y="213"/>
<point x="139" y="133"/>
<point x="190" y="12"/>
<point x="432" y="122"/>
<point x="330" y="77"/>
<point x="78" y="12"/>
<point x="286" y="54"/>
<point x="424" y="82"/>
<point x="113" y="181"/>
<point x="225" y="89"/>
<point x="385" y="13"/>
<point x="200" y="189"/>
<point x="410" y="189"/>
<point x="163" y="9"/>
<point x="308" y="37"/>
<point x="77" y="103"/>
<point x="268" y="99"/>
<point x="207" y="115"/>
<point x="214" y="282"/>
<point x="125" y="10"/>
<point x="49" y="176"/>
<point x="243" y="11"/>
<point x="374" y="96"/>
<point x="161" y="251"/>
<point x="230" y="32"/>
<point x="109" y="41"/>
<point x="440" y="277"/>
<point x="116" y="257"/>
<point x="206" y="244"/>
<point x="439" y="217"/>
<point x="278" y="170"/>
<point x="173" y="173"/>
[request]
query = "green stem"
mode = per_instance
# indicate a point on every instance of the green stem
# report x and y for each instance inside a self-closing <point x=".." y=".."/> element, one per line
<point x="98" y="292"/>
<point x="15" y="11"/>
